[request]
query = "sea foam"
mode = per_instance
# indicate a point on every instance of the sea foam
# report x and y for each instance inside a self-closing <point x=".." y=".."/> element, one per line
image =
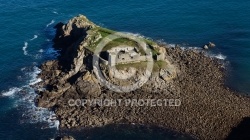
<point x="220" y="56"/>
<point x="52" y="22"/>
<point x="55" y="12"/>
<point x="25" y="96"/>
<point x="11" y="91"/>
<point x="34" y="114"/>
<point x="25" y="52"/>
<point x="41" y="51"/>
<point x="35" y="37"/>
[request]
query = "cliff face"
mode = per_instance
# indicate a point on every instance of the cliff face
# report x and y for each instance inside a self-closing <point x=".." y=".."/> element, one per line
<point x="69" y="69"/>
<point x="208" y="110"/>
<point x="71" y="38"/>
<point x="76" y="28"/>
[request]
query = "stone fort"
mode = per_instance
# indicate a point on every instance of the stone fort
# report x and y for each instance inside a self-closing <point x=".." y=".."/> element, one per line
<point x="125" y="55"/>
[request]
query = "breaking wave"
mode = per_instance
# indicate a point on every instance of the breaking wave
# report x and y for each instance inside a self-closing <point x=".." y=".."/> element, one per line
<point x="209" y="54"/>
<point x="52" y="22"/>
<point x="220" y="56"/>
<point x="25" y="52"/>
<point x="11" y="91"/>
<point x="25" y="96"/>
<point x="182" y="46"/>
<point x="55" y="12"/>
<point x="41" y="51"/>
<point x="35" y="37"/>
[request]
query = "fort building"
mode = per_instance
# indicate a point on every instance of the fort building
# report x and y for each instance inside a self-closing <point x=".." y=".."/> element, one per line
<point x="125" y="55"/>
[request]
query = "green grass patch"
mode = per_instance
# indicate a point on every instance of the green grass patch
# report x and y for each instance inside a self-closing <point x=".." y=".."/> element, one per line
<point x="104" y="31"/>
<point x="119" y="41"/>
<point x="160" y="64"/>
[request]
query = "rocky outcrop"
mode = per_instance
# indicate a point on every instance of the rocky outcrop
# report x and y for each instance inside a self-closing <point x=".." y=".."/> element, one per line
<point x="67" y="34"/>
<point x="69" y="69"/>
<point x="209" y="45"/>
<point x="206" y="108"/>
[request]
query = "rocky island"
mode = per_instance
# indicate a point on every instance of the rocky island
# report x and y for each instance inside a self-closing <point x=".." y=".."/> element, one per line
<point x="100" y="64"/>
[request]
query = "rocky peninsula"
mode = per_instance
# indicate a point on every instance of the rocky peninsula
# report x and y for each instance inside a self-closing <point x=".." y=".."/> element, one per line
<point x="192" y="84"/>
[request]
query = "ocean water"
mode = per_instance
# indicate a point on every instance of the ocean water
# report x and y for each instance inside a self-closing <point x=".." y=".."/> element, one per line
<point x="27" y="30"/>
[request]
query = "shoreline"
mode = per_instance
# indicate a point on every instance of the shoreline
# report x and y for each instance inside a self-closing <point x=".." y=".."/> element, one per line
<point x="209" y="110"/>
<point x="79" y="133"/>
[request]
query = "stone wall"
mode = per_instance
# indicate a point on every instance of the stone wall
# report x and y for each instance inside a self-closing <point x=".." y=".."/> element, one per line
<point x="124" y="55"/>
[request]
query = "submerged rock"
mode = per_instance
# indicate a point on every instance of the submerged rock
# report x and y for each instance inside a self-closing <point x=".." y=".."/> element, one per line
<point x="205" y="47"/>
<point x="211" y="45"/>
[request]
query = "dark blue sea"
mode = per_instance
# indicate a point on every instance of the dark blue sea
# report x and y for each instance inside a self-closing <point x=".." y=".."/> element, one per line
<point x="26" y="33"/>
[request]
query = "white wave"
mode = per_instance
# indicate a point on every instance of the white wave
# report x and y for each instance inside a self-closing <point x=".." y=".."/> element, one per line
<point x="52" y="122"/>
<point x="137" y="35"/>
<point x="134" y="34"/>
<point x="57" y="124"/>
<point x="23" y="69"/>
<point x="208" y="54"/>
<point x="34" y="78"/>
<point x="184" y="47"/>
<point x="171" y="45"/>
<point x="52" y="22"/>
<point x="199" y="49"/>
<point x="25" y="52"/>
<point x="55" y="12"/>
<point x="195" y="48"/>
<point x="41" y="51"/>
<point x="35" y="37"/>
<point x="11" y="91"/>
<point x="220" y="56"/>
<point x="33" y="82"/>
<point x="162" y="42"/>
<point x="25" y="99"/>
<point x="33" y="113"/>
